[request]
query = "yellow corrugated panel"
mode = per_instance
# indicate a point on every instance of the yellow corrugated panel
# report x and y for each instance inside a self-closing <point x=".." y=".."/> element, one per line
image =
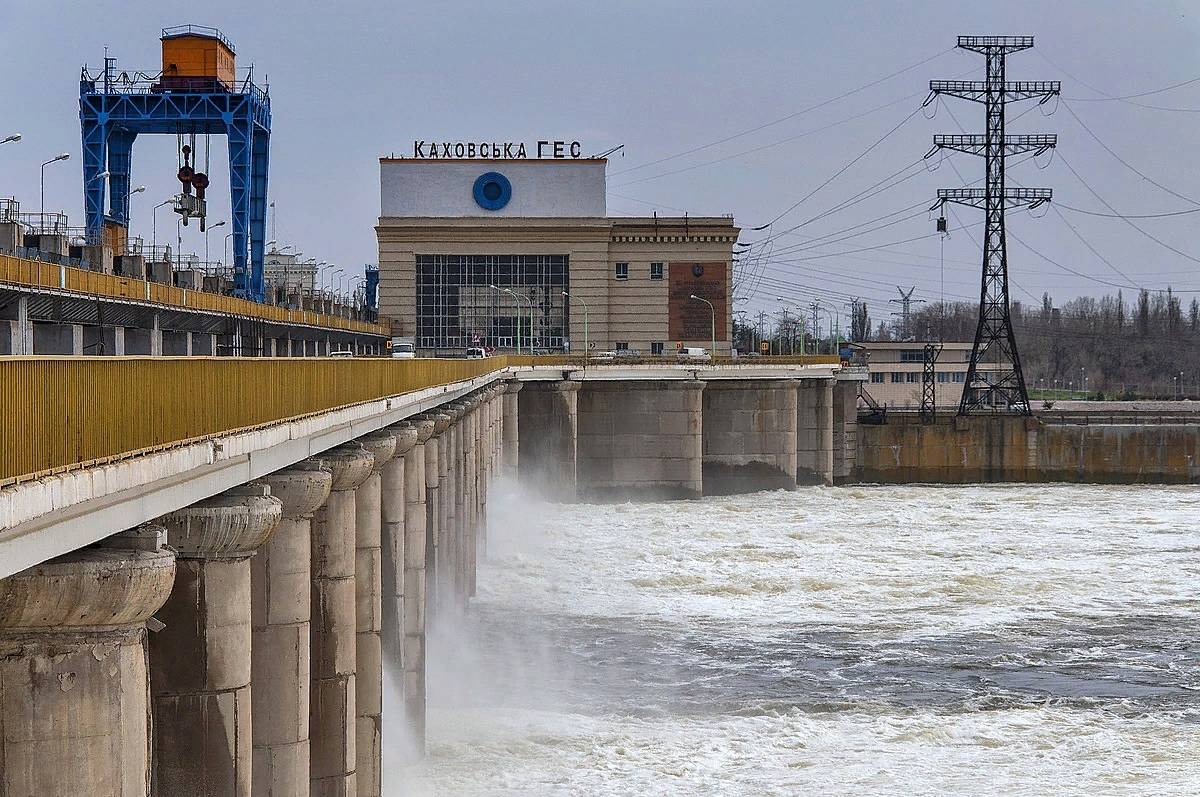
<point x="69" y="412"/>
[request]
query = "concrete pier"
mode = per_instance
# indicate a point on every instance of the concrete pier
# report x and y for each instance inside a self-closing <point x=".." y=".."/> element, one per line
<point x="74" y="713"/>
<point x="749" y="435"/>
<point x="548" y="418"/>
<point x="368" y="602"/>
<point x="510" y="438"/>
<point x="814" y="432"/>
<point x="200" y="664"/>
<point x="332" y="707"/>
<point x="640" y="440"/>
<point x="281" y="606"/>
<point x="845" y="430"/>
<point x="394" y="506"/>
<point x="416" y="548"/>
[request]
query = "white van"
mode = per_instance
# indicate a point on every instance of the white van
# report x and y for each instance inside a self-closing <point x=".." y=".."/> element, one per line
<point x="403" y="350"/>
<point x="692" y="353"/>
<point x="476" y="353"/>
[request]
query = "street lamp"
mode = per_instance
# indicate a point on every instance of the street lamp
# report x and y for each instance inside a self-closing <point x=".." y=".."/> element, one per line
<point x="55" y="159"/>
<point x="13" y="137"/>
<point x="225" y="249"/>
<point x="517" y="299"/>
<point x="139" y="190"/>
<point x="154" y="222"/>
<point x="585" y="322"/>
<point x="210" y="228"/>
<point x="712" y="353"/>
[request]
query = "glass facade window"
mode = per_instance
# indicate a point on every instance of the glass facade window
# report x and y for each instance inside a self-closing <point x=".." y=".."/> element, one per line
<point x="913" y="376"/>
<point x="943" y="376"/>
<point x="912" y="355"/>
<point x="876" y="377"/>
<point x="656" y="271"/>
<point x="622" y="271"/>
<point x="960" y="376"/>
<point x="456" y="307"/>
<point x="897" y="377"/>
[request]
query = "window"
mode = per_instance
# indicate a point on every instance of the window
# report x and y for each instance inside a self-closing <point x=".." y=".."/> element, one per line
<point x="960" y="376"/>
<point x="876" y="378"/>
<point x="943" y="376"/>
<point x="656" y="347"/>
<point x="621" y="345"/>
<point x="912" y="355"/>
<point x="656" y="271"/>
<point x="897" y="377"/>
<point x="622" y="272"/>
<point x="912" y="376"/>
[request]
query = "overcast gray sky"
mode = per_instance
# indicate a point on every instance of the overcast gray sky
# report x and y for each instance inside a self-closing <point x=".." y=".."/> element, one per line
<point x="351" y="81"/>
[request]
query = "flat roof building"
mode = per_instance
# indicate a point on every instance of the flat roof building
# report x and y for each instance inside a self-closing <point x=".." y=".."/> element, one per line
<point x="896" y="368"/>
<point x="477" y="252"/>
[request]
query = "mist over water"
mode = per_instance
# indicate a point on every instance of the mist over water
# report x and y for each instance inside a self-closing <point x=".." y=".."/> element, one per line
<point x="1008" y="639"/>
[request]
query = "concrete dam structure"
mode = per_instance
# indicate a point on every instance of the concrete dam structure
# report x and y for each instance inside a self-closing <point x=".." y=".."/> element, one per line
<point x="214" y="613"/>
<point x="1097" y="442"/>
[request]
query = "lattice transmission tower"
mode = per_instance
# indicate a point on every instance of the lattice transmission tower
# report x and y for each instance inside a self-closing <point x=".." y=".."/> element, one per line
<point x="994" y="383"/>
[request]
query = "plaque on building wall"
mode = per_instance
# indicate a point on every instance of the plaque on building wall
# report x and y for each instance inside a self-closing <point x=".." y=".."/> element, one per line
<point x="690" y="319"/>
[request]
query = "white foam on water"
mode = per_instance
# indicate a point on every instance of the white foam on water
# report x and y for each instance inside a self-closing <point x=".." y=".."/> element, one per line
<point x="1072" y="610"/>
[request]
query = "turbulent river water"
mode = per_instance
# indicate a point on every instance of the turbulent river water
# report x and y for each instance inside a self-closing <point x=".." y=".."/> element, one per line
<point x="1014" y="639"/>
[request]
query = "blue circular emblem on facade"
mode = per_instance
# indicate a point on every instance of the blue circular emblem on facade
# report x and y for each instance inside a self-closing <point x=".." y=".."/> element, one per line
<point x="492" y="191"/>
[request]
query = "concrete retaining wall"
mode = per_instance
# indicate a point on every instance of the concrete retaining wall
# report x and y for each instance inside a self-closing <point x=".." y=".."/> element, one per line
<point x="1006" y="449"/>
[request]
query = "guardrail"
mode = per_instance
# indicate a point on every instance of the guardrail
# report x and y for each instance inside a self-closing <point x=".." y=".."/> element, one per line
<point x="63" y="413"/>
<point x="33" y="273"/>
<point x="694" y="362"/>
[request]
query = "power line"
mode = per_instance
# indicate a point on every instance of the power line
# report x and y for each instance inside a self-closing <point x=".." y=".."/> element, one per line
<point x="783" y="119"/>
<point x="840" y="171"/>
<point x="1126" y="163"/>
<point x="1126" y="215"/>
<point x="1106" y="97"/>
<point x="762" y="147"/>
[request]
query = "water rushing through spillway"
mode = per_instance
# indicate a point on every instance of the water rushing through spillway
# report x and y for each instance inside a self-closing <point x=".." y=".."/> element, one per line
<point x="865" y="640"/>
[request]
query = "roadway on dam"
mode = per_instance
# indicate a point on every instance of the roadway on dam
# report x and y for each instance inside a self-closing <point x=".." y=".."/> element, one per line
<point x="1033" y="639"/>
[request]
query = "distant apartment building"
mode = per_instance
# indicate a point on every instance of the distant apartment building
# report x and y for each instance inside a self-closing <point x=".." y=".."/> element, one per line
<point x="896" y="367"/>
<point x="285" y="269"/>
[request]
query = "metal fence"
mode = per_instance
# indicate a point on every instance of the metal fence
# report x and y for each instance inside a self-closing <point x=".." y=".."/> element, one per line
<point x="70" y="412"/>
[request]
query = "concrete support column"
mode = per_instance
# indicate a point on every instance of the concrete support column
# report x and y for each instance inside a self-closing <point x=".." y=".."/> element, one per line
<point x="814" y="432"/>
<point x="332" y="710"/>
<point x="281" y="607"/>
<point x="156" y="343"/>
<point x="74" y="713"/>
<point x="368" y="602"/>
<point x="23" y="329"/>
<point x="450" y="543"/>
<point x="548" y="417"/>
<point x="435" y="456"/>
<point x="845" y="430"/>
<point x="394" y="510"/>
<point x="200" y="663"/>
<point x="641" y="439"/>
<point x="470" y="527"/>
<point x="414" y="581"/>
<point x="510" y="438"/>
<point x="750" y="435"/>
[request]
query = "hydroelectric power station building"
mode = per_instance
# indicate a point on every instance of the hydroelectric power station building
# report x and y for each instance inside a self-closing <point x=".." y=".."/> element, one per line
<point x="480" y="252"/>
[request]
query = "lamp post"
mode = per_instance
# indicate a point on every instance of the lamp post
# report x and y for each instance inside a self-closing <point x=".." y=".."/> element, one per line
<point x="712" y="353"/>
<point x="517" y="300"/>
<point x="55" y="159"/>
<point x="154" y="222"/>
<point x="836" y="331"/>
<point x="13" y="137"/>
<point x="585" y="323"/>
<point x="210" y="228"/>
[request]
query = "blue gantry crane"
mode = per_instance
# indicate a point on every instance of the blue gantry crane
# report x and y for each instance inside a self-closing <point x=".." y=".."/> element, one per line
<point x="198" y="92"/>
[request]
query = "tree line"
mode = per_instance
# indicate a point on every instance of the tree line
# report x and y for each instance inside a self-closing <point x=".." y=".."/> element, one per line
<point x="1144" y="347"/>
